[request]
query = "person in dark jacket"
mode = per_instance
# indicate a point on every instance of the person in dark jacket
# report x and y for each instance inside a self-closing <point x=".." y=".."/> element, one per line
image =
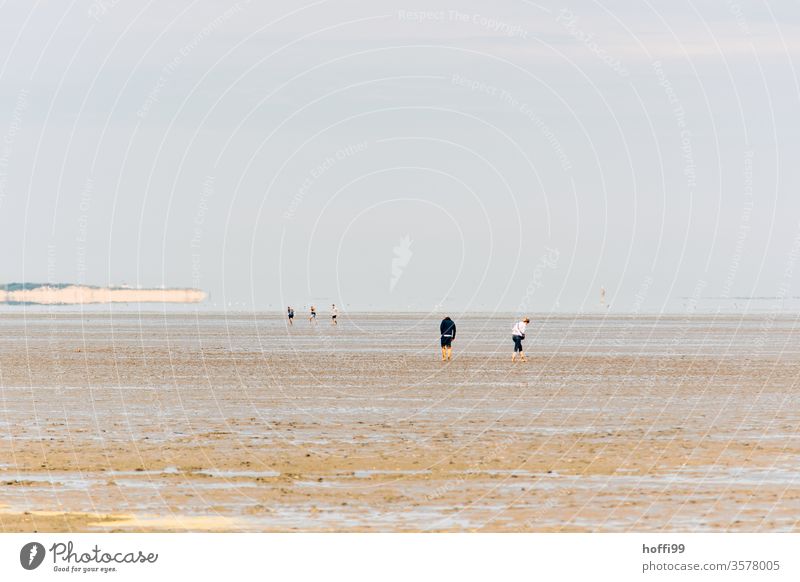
<point x="448" y="331"/>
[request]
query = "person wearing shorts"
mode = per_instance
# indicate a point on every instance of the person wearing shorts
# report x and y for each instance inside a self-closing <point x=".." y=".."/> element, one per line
<point x="313" y="317"/>
<point x="334" y="314"/>
<point x="447" y="329"/>
<point x="290" y="315"/>
<point x="517" y="335"/>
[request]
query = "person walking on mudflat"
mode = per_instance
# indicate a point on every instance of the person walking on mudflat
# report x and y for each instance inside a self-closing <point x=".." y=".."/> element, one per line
<point x="517" y="335"/>
<point x="334" y="315"/>
<point x="313" y="317"/>
<point x="448" y="331"/>
<point x="290" y="315"/>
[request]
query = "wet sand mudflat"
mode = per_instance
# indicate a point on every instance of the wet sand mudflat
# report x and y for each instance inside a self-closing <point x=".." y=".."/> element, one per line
<point x="208" y="422"/>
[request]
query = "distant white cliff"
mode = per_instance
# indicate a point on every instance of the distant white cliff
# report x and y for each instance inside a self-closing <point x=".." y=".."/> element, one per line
<point x="67" y="294"/>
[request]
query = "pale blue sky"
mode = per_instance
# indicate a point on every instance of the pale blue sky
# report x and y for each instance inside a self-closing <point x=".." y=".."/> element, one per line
<point x="277" y="152"/>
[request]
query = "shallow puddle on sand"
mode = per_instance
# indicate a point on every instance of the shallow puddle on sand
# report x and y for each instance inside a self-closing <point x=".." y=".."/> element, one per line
<point x="368" y="473"/>
<point x="226" y="474"/>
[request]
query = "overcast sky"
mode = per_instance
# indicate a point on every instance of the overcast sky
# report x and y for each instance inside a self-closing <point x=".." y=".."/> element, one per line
<point x="470" y="155"/>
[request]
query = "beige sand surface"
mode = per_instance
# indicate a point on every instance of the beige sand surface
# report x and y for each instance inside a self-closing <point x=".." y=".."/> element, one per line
<point x="186" y="422"/>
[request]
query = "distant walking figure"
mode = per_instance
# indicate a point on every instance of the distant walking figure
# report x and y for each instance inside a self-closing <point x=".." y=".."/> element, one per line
<point x="334" y="314"/>
<point x="313" y="317"/>
<point x="290" y="315"/>
<point x="518" y="334"/>
<point x="448" y="330"/>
